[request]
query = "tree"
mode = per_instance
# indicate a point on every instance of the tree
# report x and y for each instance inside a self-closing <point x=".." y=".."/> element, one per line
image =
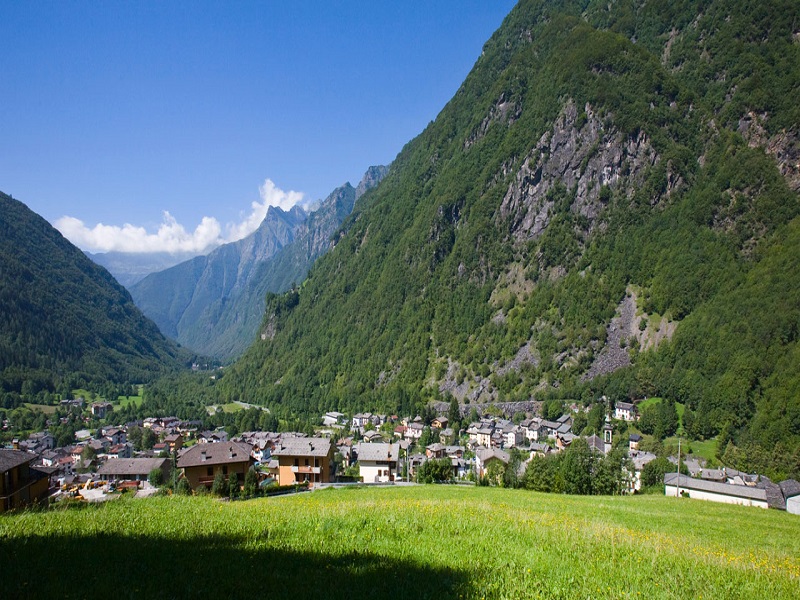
<point x="156" y="477"/>
<point x="435" y="470"/>
<point x="576" y="467"/>
<point x="579" y="422"/>
<point x="454" y="414"/>
<point x="183" y="488"/>
<point x="233" y="485"/>
<point x="218" y="486"/>
<point x="496" y="473"/>
<point x="88" y="453"/>
<point x="596" y="417"/>
<point x="250" y="483"/>
<point x="149" y="438"/>
<point x="135" y="437"/>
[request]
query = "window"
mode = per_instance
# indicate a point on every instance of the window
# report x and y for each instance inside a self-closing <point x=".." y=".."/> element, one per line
<point x="224" y="469"/>
<point x="210" y="471"/>
<point x="306" y="462"/>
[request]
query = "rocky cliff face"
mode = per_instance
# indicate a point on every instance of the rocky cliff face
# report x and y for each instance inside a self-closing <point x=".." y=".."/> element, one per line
<point x="584" y="154"/>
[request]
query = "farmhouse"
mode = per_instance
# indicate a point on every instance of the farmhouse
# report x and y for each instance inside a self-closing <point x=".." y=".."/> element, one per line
<point x="304" y="459"/>
<point x="701" y="489"/>
<point x="132" y="469"/>
<point x="485" y="457"/>
<point x="625" y="411"/>
<point x="202" y="462"/>
<point x="20" y="484"/>
<point x="378" y="462"/>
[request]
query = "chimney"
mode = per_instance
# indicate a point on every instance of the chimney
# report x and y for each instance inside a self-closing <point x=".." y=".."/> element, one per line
<point x="203" y="456"/>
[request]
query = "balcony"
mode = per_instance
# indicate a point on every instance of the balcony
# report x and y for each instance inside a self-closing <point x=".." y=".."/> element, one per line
<point x="307" y="470"/>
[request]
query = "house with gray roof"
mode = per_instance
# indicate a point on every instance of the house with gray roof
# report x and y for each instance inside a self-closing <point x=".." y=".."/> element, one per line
<point x="203" y="462"/>
<point x="378" y="462"/>
<point x="132" y="469"/>
<point x="485" y="456"/>
<point x="304" y="459"/>
<point x="700" y="489"/>
<point x="791" y="494"/>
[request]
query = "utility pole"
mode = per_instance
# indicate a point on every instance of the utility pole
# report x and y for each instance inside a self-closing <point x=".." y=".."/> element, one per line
<point x="678" y="473"/>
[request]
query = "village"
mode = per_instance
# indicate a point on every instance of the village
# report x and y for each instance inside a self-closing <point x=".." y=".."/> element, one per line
<point x="159" y="453"/>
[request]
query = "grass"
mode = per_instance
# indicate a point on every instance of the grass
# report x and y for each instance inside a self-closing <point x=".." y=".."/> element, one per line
<point x="422" y="542"/>
<point x="704" y="449"/>
<point x="45" y="408"/>
<point x="124" y="401"/>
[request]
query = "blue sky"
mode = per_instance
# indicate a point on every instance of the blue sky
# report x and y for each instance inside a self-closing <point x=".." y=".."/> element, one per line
<point x="120" y="112"/>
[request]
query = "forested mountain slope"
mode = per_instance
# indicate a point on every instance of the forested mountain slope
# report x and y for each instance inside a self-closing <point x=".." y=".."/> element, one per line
<point x="214" y="304"/>
<point x="609" y="204"/>
<point x="63" y="319"/>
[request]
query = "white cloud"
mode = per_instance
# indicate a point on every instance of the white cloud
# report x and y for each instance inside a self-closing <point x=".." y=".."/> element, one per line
<point x="271" y="195"/>
<point x="171" y="236"/>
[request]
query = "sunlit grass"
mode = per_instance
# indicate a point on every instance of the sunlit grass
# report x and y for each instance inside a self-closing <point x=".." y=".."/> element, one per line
<point x="452" y="541"/>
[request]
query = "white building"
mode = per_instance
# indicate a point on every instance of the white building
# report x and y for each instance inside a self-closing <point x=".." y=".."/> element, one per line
<point x="699" y="489"/>
<point x="377" y="463"/>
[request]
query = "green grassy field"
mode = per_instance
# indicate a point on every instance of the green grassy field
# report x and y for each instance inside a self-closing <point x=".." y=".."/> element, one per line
<point x="45" y="408"/>
<point x="422" y="542"/>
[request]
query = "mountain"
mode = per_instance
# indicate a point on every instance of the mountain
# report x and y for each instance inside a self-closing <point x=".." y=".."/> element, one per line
<point x="214" y="304"/>
<point x="608" y="205"/>
<point x="64" y="318"/>
<point x="176" y="298"/>
<point x="131" y="267"/>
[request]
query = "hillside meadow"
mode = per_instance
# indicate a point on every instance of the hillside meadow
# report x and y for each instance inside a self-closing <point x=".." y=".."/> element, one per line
<point x="412" y="542"/>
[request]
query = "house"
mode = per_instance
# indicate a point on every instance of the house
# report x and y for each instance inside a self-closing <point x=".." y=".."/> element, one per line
<point x="548" y="429"/>
<point x="43" y="439"/>
<point x="530" y="428"/>
<point x="633" y="442"/>
<point x="539" y="449"/>
<point x="484" y="434"/>
<point x="174" y="441"/>
<point x="675" y="485"/>
<point x="202" y="462"/>
<point x="484" y="457"/>
<point x="20" y="483"/>
<point x="120" y="451"/>
<point x="512" y="436"/>
<point x="360" y="421"/>
<point x="304" y="459"/>
<point x="400" y="431"/>
<point x="791" y="494"/>
<point x="333" y="418"/>
<point x="439" y="423"/>
<point x="212" y="437"/>
<point x="378" y="462"/>
<point x="372" y="436"/>
<point x="639" y="460"/>
<point x="717" y="475"/>
<point x="101" y="409"/>
<point x="133" y="469"/>
<point x="435" y="451"/>
<point x="625" y="411"/>
<point x="596" y="444"/>
<point x="414" y="430"/>
<point x="115" y="435"/>
<point x="563" y="440"/>
<point x="51" y="457"/>
<point x="447" y="435"/>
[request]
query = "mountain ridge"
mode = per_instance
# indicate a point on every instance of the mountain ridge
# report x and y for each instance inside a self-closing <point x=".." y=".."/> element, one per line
<point x="214" y="303"/>
<point x="66" y="319"/>
<point x="593" y="149"/>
